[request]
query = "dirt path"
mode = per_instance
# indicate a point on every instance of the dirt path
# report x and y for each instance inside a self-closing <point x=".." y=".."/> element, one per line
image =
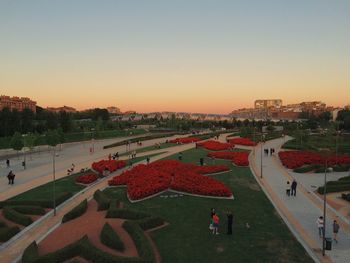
<point x="90" y="224"/>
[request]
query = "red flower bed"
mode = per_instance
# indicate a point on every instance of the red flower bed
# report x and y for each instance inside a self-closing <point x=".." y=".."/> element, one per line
<point x="185" y="140"/>
<point x="238" y="158"/>
<point x="242" y="141"/>
<point x="146" y="180"/>
<point x="111" y="165"/>
<point x="295" y="159"/>
<point x="86" y="178"/>
<point x="215" y="145"/>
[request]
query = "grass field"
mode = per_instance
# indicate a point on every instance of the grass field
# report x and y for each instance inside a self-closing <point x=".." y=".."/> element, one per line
<point x="188" y="239"/>
<point x="317" y="142"/>
<point x="151" y="148"/>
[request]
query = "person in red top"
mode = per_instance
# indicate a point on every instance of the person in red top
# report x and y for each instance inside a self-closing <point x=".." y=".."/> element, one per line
<point x="216" y="220"/>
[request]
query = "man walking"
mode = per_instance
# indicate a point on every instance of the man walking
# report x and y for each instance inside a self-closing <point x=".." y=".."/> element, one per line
<point x="294" y="188"/>
<point x="335" y="230"/>
<point x="229" y="222"/>
<point x="8" y="163"/>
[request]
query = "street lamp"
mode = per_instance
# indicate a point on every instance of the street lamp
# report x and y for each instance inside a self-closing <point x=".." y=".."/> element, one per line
<point x="324" y="207"/>
<point x="261" y="155"/>
<point x="54" y="179"/>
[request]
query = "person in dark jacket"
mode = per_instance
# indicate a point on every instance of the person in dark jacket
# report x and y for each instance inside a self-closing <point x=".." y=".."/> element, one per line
<point x="229" y="222"/>
<point x="294" y="188"/>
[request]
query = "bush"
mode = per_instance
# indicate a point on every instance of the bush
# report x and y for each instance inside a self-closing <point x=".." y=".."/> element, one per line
<point x="30" y="210"/>
<point x="334" y="188"/>
<point x="346" y="197"/>
<point x="2" y="224"/>
<point x="304" y="169"/>
<point x="143" y="246"/>
<point x="341" y="168"/>
<point x="150" y="222"/>
<point x="83" y="248"/>
<point x="7" y="233"/>
<point x="345" y="178"/>
<point x="125" y="214"/>
<point x="30" y="254"/>
<point x="12" y="215"/>
<point x="102" y="200"/>
<point x="110" y="238"/>
<point x="75" y="212"/>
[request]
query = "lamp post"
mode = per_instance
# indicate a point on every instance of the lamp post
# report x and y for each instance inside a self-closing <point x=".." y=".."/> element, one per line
<point x="54" y="179"/>
<point x="261" y="155"/>
<point x="324" y="207"/>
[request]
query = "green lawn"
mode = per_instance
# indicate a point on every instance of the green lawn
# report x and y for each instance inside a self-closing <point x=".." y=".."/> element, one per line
<point x="188" y="239"/>
<point x="151" y="148"/>
<point x="316" y="142"/>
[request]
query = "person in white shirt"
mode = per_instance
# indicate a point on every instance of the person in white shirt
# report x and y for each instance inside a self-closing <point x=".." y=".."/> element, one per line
<point x="320" y="225"/>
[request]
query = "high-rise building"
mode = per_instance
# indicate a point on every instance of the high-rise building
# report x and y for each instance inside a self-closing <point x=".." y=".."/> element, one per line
<point x="17" y="103"/>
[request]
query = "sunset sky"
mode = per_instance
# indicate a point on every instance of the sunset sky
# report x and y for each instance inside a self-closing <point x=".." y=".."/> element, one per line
<point x="180" y="55"/>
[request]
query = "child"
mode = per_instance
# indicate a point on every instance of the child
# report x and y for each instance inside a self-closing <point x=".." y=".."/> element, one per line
<point x="288" y="188"/>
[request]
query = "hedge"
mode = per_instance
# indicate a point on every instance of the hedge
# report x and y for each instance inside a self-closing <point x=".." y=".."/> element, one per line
<point x="305" y="169"/>
<point x="345" y="178"/>
<point x="30" y="210"/>
<point x="75" y="212"/>
<point x="150" y="222"/>
<point x="341" y="168"/>
<point x="143" y="246"/>
<point x="12" y="215"/>
<point x="346" y="197"/>
<point x="7" y="233"/>
<point x="110" y="238"/>
<point x="334" y="188"/>
<point x="60" y="198"/>
<point x="102" y="200"/>
<point x="30" y="254"/>
<point x="125" y="214"/>
<point x="83" y="248"/>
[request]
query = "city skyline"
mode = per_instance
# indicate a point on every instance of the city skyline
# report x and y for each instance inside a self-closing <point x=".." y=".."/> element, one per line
<point x="192" y="56"/>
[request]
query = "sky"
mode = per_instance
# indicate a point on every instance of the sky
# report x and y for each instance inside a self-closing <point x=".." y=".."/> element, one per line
<point x="175" y="55"/>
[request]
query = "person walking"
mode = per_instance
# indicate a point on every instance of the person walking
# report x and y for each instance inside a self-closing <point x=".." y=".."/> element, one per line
<point x="320" y="226"/>
<point x="7" y="163"/>
<point x="211" y="224"/>
<point x="288" y="188"/>
<point x="180" y="156"/>
<point x="294" y="188"/>
<point x="148" y="159"/>
<point x="11" y="177"/>
<point x="335" y="230"/>
<point x="216" y="221"/>
<point x="201" y="161"/>
<point x="229" y="222"/>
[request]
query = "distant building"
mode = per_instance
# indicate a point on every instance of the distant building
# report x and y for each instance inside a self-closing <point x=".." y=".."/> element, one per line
<point x="266" y="104"/>
<point x="129" y="112"/>
<point x="114" y="110"/>
<point x="64" y="108"/>
<point x="17" y="103"/>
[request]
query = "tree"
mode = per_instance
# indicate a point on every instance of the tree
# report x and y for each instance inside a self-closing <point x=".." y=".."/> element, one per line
<point x="52" y="138"/>
<point x="65" y="121"/>
<point x="61" y="137"/>
<point x="29" y="141"/>
<point x="27" y="117"/>
<point x="17" y="142"/>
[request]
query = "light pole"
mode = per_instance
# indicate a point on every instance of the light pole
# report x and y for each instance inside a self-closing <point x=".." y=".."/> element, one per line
<point x="54" y="179"/>
<point x="324" y="207"/>
<point x="261" y="155"/>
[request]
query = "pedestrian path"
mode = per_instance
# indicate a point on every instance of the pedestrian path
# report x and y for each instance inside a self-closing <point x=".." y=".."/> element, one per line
<point x="301" y="211"/>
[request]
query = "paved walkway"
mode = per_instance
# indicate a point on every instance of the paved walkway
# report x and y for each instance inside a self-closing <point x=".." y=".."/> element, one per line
<point x="37" y="231"/>
<point x="302" y="211"/>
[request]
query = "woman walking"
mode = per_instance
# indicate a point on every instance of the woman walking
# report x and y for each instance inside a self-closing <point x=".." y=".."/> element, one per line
<point x="216" y="221"/>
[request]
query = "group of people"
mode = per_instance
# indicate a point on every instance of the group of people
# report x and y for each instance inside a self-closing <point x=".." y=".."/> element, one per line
<point x="133" y="155"/>
<point x="291" y="189"/>
<point x="267" y="151"/>
<point x="215" y="221"/>
<point x="335" y="227"/>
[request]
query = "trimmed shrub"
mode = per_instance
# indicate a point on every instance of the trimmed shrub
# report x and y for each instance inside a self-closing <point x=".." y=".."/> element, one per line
<point x="12" y="215"/>
<point x="7" y="232"/>
<point x="345" y="178"/>
<point x="334" y="188"/>
<point x="341" y="168"/>
<point x="29" y="210"/>
<point x="75" y="212"/>
<point x="150" y="222"/>
<point x="110" y="238"/>
<point x="346" y="197"/>
<point x="102" y="200"/>
<point x="143" y="246"/>
<point x="125" y="214"/>
<point x="114" y="204"/>
<point x="30" y="254"/>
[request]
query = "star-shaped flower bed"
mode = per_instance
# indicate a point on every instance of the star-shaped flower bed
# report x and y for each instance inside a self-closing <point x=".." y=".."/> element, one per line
<point x="144" y="181"/>
<point x="238" y="158"/>
<point x="215" y="145"/>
